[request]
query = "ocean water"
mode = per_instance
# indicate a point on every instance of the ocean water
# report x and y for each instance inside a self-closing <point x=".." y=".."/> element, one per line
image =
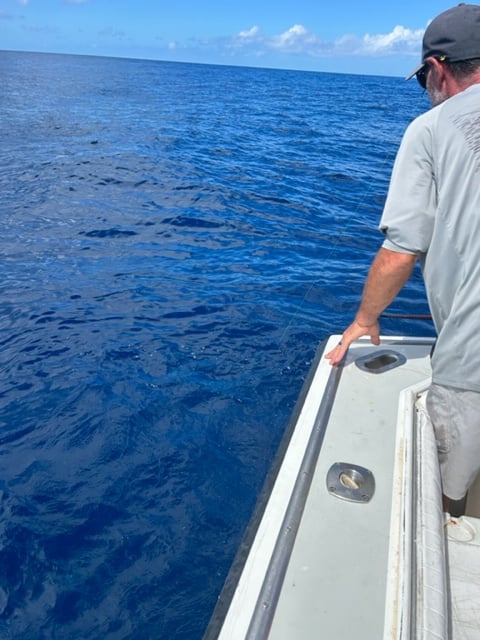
<point x="177" y="240"/>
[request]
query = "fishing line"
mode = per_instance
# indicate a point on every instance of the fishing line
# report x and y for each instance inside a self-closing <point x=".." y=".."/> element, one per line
<point x="334" y="247"/>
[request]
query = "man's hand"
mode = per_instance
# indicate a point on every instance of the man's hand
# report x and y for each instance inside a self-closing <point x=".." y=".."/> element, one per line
<point x="388" y="273"/>
<point x="354" y="331"/>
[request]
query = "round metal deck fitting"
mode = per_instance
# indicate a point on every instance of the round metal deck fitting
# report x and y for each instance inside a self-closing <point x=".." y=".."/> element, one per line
<point x="350" y="482"/>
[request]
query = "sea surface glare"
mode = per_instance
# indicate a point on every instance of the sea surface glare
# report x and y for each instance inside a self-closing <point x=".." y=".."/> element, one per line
<point x="177" y="239"/>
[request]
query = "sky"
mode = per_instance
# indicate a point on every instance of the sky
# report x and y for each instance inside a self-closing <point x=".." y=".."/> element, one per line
<point x="348" y="36"/>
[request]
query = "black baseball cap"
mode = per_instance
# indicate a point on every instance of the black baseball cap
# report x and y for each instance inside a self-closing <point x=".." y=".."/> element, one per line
<point x="454" y="35"/>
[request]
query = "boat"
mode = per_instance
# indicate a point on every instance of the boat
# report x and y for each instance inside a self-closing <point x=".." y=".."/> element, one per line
<point x="349" y="539"/>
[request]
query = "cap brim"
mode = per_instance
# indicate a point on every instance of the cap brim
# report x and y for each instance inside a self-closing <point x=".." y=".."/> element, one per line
<point x="415" y="71"/>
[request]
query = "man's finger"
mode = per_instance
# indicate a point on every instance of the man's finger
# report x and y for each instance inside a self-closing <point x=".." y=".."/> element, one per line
<point x="336" y="354"/>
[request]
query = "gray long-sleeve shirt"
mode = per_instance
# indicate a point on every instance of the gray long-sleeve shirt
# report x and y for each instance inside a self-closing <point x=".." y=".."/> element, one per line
<point x="433" y="210"/>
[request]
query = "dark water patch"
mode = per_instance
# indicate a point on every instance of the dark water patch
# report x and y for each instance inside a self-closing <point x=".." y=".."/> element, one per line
<point x="121" y="354"/>
<point x="184" y="221"/>
<point x="108" y="233"/>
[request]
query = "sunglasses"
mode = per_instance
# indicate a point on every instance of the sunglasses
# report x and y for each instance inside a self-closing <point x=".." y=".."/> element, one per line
<point x="422" y="74"/>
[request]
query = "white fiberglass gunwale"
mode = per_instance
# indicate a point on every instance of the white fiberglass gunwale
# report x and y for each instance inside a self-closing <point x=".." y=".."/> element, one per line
<point x="292" y="581"/>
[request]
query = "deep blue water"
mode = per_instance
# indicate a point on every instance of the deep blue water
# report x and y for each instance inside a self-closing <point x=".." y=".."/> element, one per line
<point x="176" y="241"/>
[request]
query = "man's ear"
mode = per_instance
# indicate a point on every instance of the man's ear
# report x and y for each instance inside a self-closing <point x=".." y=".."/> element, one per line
<point x="441" y="74"/>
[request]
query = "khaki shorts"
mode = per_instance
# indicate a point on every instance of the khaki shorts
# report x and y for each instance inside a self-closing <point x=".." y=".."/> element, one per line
<point x="455" y="415"/>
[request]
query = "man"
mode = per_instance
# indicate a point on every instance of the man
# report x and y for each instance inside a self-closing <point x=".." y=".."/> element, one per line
<point x="432" y="214"/>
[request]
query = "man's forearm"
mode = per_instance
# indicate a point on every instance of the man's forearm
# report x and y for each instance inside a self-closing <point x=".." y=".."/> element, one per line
<point x="389" y="272"/>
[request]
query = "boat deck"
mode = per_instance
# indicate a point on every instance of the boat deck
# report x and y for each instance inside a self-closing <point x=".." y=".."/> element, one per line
<point x="334" y="551"/>
<point x="342" y="545"/>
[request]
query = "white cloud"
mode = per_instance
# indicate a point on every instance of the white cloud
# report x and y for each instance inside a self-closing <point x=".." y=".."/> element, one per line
<point x="400" y="39"/>
<point x="250" y="33"/>
<point x="298" y="40"/>
<point x="295" y="39"/>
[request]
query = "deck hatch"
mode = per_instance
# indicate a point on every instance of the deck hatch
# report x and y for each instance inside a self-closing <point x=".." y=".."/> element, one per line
<point x="380" y="361"/>
<point x="350" y="482"/>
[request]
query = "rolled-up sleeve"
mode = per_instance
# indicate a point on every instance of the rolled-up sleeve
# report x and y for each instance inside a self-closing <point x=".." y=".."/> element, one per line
<point x="409" y="212"/>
